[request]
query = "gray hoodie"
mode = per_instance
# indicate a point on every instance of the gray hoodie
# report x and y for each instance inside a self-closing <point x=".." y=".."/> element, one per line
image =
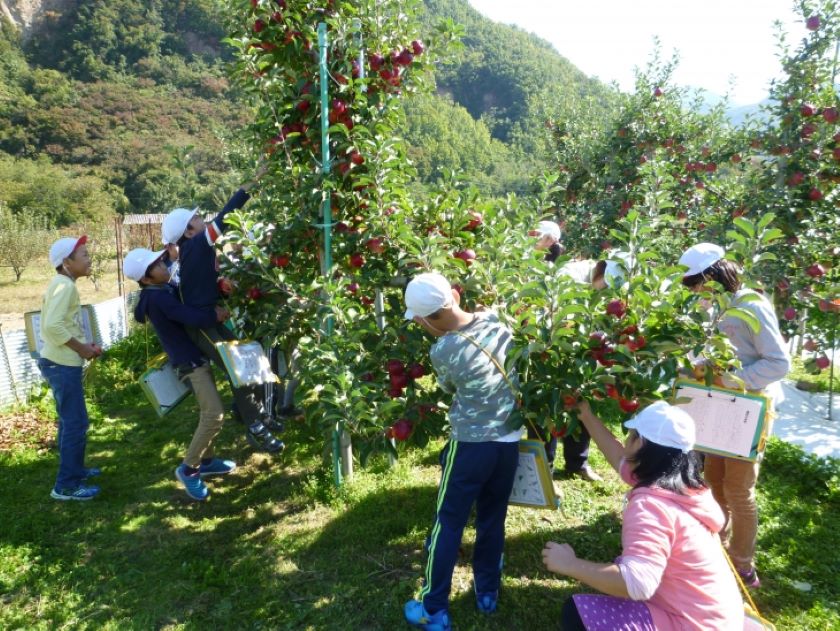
<point x="764" y="356"/>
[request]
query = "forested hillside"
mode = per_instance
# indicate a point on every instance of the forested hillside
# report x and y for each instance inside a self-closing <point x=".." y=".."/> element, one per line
<point x="116" y="106"/>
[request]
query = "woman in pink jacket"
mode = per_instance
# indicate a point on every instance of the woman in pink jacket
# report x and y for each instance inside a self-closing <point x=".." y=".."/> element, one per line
<point x="672" y="573"/>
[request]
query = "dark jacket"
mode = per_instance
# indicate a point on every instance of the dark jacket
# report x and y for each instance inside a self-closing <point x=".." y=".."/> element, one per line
<point x="197" y="255"/>
<point x="159" y="305"/>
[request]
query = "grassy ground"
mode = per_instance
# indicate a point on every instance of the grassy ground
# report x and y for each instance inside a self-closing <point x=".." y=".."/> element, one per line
<point x="276" y="547"/>
<point x="818" y="382"/>
<point x="16" y="298"/>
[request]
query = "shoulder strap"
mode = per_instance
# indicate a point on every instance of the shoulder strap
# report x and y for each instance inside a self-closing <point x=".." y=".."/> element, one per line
<point x="503" y="372"/>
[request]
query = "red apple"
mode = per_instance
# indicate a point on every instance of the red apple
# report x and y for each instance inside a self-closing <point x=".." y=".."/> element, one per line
<point x="736" y="158"/>
<point x="822" y="362"/>
<point x="417" y="47"/>
<point x="402" y="429"/>
<point x="353" y="288"/>
<point x="657" y="92"/>
<point x="224" y="286"/>
<point x="357" y="260"/>
<point x="790" y="313"/>
<point x="807" y="109"/>
<point x="254" y="293"/>
<point x="569" y="401"/>
<point x="628" y="406"/>
<point x="468" y="255"/>
<point x="796" y="179"/>
<point x="259" y="25"/>
<point x="395" y="367"/>
<point x="376" y="61"/>
<point x="281" y="260"/>
<point x="815" y="270"/>
<point x="399" y="381"/>
<point x="637" y="344"/>
<point x="830" y="114"/>
<point x="338" y="106"/>
<point x="375" y="245"/>
<point x="356" y="158"/>
<point x="616" y="308"/>
<point x="368" y="376"/>
<point x="405" y="57"/>
<point x="810" y="345"/>
<point x="612" y="391"/>
<point x="395" y="393"/>
<point x="812" y="23"/>
<point x="415" y="371"/>
<point x="807" y="130"/>
<point x="475" y="220"/>
<point x="815" y="195"/>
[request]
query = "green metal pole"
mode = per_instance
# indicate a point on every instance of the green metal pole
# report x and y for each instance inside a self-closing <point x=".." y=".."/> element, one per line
<point x="326" y="213"/>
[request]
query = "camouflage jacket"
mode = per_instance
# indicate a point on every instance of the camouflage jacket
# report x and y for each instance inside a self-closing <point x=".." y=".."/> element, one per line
<point x="483" y="406"/>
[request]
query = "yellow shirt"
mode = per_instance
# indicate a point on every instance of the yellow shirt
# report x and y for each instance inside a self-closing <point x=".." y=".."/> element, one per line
<point x="61" y="319"/>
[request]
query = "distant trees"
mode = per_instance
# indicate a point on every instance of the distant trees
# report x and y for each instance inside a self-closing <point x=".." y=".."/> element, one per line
<point x="23" y="238"/>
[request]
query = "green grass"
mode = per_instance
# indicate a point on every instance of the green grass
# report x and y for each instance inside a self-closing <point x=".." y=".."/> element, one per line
<point x="277" y="547"/>
<point x="818" y="381"/>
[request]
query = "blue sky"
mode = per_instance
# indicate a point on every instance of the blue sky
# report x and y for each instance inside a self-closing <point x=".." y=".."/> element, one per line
<point x="717" y="40"/>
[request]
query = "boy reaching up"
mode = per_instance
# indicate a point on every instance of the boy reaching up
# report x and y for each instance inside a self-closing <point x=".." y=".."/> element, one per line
<point x="198" y="287"/>
<point x="480" y="459"/>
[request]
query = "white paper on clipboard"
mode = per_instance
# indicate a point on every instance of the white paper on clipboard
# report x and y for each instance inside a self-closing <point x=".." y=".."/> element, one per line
<point x="724" y="421"/>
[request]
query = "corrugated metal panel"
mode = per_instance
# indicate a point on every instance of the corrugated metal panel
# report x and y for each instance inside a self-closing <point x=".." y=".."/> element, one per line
<point x="19" y="372"/>
<point x="17" y="386"/>
<point x="140" y="220"/>
<point x="111" y="323"/>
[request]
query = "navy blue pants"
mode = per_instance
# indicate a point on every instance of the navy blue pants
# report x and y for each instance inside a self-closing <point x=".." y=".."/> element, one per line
<point x="575" y="450"/>
<point x="69" y="395"/>
<point x="473" y="473"/>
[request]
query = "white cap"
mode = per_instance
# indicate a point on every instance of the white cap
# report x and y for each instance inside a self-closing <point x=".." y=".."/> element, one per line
<point x="549" y="228"/>
<point x="700" y="257"/>
<point x="137" y="262"/>
<point x="427" y="293"/>
<point x="666" y="425"/>
<point x="63" y="248"/>
<point x="175" y="224"/>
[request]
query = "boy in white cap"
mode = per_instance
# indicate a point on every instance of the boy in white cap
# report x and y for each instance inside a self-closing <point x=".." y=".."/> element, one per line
<point x="62" y="357"/>
<point x="198" y="287"/>
<point x="672" y="572"/>
<point x="480" y="459"/>
<point x="764" y="362"/>
<point x="159" y="305"/>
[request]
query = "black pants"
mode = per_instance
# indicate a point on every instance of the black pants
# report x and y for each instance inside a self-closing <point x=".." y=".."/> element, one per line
<point x="570" y="618"/>
<point x="575" y="450"/>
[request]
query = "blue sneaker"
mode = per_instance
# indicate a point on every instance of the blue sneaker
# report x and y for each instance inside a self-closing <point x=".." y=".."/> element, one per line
<point x="416" y="615"/>
<point x="216" y="466"/>
<point x="81" y="493"/>
<point x="92" y="472"/>
<point x="486" y="601"/>
<point x="193" y="484"/>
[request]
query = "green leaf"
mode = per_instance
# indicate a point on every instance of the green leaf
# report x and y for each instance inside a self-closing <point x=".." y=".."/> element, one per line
<point x="745" y="316"/>
<point x="745" y="225"/>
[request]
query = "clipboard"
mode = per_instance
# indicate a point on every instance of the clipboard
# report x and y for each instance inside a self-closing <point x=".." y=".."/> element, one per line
<point x="162" y="386"/>
<point x="728" y="422"/>
<point x="532" y="483"/>
<point x="246" y="363"/>
<point x="32" y="325"/>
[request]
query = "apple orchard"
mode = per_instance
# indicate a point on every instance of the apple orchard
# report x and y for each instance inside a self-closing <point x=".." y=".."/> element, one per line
<point x="651" y="179"/>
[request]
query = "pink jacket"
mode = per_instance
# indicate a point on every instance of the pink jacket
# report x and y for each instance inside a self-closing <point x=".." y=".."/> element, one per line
<point x="672" y="559"/>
